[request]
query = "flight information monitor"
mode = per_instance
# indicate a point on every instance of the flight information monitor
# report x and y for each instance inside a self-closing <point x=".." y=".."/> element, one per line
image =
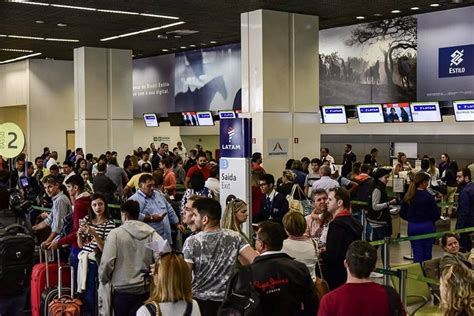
<point x="397" y="112"/>
<point x="334" y="114"/>
<point x="464" y="110"/>
<point x="151" y="120"/>
<point x="370" y="113"/>
<point x="205" y="118"/>
<point x="190" y="118"/>
<point x="425" y="111"/>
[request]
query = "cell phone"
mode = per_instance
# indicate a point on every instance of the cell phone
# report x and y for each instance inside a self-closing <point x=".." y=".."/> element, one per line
<point x="82" y="222"/>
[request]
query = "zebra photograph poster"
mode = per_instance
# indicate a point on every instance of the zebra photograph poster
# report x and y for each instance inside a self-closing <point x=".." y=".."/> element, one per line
<point x="369" y="63"/>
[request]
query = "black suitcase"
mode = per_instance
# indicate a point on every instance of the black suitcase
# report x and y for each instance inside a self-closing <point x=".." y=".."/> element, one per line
<point x="17" y="248"/>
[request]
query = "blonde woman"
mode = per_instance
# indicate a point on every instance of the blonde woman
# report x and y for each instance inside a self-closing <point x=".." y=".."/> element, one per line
<point x="172" y="294"/>
<point x="457" y="291"/>
<point x="235" y="214"/>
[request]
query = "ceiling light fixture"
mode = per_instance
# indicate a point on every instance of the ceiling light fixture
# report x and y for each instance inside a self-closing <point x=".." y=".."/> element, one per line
<point x="61" y="40"/>
<point x="141" y="32"/>
<point x="118" y="12"/>
<point x="213" y="42"/>
<point x="378" y="14"/>
<point x="396" y="11"/>
<point x="73" y="7"/>
<point x="192" y="45"/>
<point x="415" y="8"/>
<point x="360" y="17"/>
<point x="39" y="22"/>
<point x="177" y="36"/>
<point x="16" y="50"/>
<point x="64" y="6"/>
<point x="19" y="58"/>
<point x="165" y="50"/>
<point x="3" y="35"/>
<point x="434" y="5"/>
<point x="61" y="24"/>
<point x="26" y="37"/>
<point x="183" y="47"/>
<point x="160" y="16"/>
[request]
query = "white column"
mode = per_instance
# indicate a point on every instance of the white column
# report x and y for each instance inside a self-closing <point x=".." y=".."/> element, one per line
<point x="103" y="112"/>
<point x="280" y="84"/>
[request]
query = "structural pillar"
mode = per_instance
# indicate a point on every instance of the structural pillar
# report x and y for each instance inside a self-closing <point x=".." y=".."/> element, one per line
<point x="280" y="85"/>
<point x="103" y="112"/>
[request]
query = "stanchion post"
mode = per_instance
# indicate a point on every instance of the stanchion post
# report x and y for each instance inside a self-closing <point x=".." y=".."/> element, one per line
<point x="386" y="259"/>
<point x="364" y="224"/>
<point x="403" y="286"/>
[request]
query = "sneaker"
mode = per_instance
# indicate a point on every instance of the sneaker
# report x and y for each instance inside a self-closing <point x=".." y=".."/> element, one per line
<point x="376" y="275"/>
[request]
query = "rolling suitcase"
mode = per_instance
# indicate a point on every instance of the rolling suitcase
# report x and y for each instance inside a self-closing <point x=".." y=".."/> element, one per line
<point x="44" y="275"/>
<point x="57" y="304"/>
<point x="17" y="249"/>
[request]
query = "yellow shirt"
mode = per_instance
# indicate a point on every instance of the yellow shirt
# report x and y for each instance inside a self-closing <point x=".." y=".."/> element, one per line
<point x="133" y="183"/>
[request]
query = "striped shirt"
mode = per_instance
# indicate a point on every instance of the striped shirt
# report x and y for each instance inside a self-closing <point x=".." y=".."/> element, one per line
<point x="102" y="230"/>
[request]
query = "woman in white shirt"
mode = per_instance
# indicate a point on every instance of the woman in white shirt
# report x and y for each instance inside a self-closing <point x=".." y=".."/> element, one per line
<point x="172" y="294"/>
<point x="298" y="245"/>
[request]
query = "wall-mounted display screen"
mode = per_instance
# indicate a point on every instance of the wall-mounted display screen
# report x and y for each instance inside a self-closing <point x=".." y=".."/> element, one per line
<point x="370" y="113"/>
<point x="425" y="111"/>
<point x="175" y="118"/>
<point x="464" y="110"/>
<point x="397" y="112"/>
<point x="205" y="119"/>
<point x="334" y="114"/>
<point x="151" y="120"/>
<point x="227" y="115"/>
<point x="190" y="119"/>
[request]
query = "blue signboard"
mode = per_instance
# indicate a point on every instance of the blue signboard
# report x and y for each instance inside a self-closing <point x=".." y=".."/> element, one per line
<point x="235" y="138"/>
<point x="456" y="61"/>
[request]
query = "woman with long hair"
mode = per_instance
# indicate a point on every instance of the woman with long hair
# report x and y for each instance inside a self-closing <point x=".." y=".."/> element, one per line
<point x="420" y="210"/>
<point x="235" y="214"/>
<point x="91" y="235"/>
<point x="457" y="291"/>
<point x="403" y="164"/>
<point x="434" y="172"/>
<point x="172" y="293"/>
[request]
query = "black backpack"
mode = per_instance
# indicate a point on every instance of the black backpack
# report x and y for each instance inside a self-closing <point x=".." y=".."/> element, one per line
<point x="241" y="298"/>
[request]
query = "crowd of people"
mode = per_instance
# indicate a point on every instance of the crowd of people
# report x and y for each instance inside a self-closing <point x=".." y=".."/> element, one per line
<point x="167" y="206"/>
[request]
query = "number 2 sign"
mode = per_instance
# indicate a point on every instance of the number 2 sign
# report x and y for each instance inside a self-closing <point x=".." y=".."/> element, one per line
<point x="12" y="140"/>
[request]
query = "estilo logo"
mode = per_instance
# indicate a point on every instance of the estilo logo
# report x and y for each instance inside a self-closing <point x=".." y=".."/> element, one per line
<point x="456" y="61"/>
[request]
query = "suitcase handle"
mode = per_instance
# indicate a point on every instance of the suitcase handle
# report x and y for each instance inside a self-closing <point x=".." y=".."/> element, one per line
<point x="60" y="280"/>
<point x="46" y="263"/>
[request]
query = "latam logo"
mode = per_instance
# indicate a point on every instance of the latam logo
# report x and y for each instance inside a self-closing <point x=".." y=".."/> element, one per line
<point x="466" y="107"/>
<point x="370" y="110"/>
<point x="456" y="61"/>
<point x="230" y="133"/>
<point x="333" y="111"/>
<point x="421" y="108"/>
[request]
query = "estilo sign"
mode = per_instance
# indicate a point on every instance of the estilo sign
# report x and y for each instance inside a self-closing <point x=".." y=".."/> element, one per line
<point x="234" y="165"/>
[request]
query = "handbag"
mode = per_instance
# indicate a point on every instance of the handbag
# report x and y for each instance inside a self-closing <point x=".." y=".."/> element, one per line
<point x="321" y="287"/>
<point x="307" y="204"/>
<point x="294" y="205"/>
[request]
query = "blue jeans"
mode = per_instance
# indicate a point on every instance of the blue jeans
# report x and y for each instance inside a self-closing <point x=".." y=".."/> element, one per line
<point x="90" y="296"/>
<point x="422" y="249"/>
<point x="12" y="306"/>
<point x="73" y="261"/>
<point x="126" y="304"/>
<point x="379" y="233"/>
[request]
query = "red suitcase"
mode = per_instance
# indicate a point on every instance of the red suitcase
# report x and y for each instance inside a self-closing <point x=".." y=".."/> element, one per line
<point x="40" y="282"/>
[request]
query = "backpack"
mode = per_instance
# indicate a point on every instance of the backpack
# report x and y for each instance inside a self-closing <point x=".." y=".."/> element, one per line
<point x="241" y="299"/>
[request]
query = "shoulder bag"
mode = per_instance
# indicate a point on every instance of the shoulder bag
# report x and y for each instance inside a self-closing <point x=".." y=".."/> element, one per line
<point x="294" y="205"/>
<point x="321" y="287"/>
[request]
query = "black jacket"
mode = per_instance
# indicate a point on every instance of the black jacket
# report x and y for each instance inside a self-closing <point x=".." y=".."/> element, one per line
<point x="342" y="231"/>
<point x="276" y="211"/>
<point x="284" y="284"/>
<point x="347" y="161"/>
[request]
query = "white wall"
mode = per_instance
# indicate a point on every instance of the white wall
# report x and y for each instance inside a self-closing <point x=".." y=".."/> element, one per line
<point x="51" y="105"/>
<point x="14" y="84"/>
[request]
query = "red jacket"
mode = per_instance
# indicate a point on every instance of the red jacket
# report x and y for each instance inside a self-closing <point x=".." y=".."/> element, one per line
<point x="81" y="208"/>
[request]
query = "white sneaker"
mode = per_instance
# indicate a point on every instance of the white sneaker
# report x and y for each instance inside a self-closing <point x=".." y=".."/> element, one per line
<point x="376" y="275"/>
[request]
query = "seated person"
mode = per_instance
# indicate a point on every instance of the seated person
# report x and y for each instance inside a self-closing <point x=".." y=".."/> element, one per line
<point x="450" y="244"/>
<point x="457" y="288"/>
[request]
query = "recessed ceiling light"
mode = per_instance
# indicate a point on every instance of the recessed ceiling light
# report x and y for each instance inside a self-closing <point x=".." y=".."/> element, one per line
<point x="177" y="36"/>
<point x="183" y="47"/>
<point x="434" y="5"/>
<point x="192" y="45"/>
<point x="3" y="35"/>
<point x="415" y="8"/>
<point x="360" y="17"/>
<point x="396" y="11"/>
<point x="165" y="50"/>
<point x="213" y="42"/>
<point x="27" y="37"/>
<point x="161" y="36"/>
<point x="16" y="50"/>
<point x="32" y="2"/>
<point x="141" y="31"/>
<point x="39" y="22"/>
<point x="61" y="24"/>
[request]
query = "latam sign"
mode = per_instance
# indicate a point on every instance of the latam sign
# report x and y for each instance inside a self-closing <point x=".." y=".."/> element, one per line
<point x="456" y="61"/>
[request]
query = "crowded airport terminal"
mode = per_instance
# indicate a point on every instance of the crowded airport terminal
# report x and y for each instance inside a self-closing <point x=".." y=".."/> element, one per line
<point x="236" y="158"/>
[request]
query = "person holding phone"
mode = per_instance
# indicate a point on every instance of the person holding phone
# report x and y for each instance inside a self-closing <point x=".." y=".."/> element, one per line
<point x="154" y="209"/>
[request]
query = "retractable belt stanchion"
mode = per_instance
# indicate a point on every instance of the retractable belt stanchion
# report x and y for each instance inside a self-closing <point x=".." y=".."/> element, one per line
<point x="363" y="219"/>
<point x="386" y="259"/>
<point x="403" y="285"/>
